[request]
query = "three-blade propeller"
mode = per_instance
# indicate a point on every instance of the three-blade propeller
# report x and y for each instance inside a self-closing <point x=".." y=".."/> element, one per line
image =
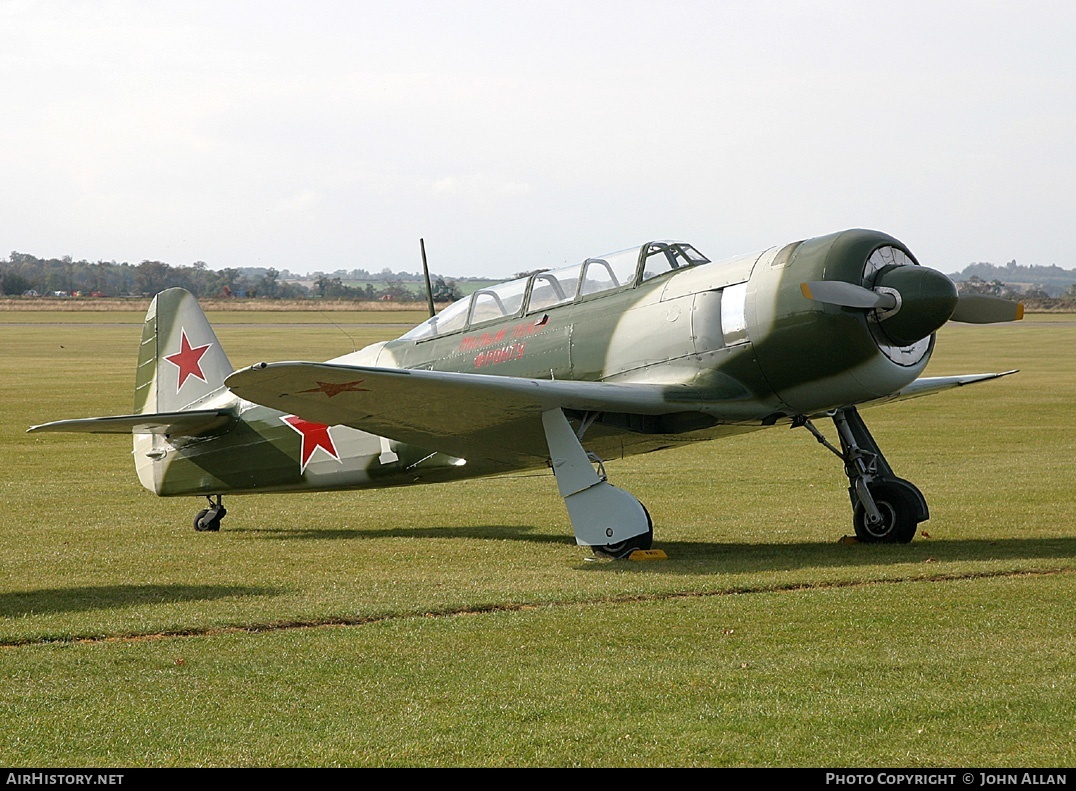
<point x="913" y="301"/>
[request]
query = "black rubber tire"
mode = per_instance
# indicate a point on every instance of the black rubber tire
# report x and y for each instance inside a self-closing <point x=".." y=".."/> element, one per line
<point x="624" y="548"/>
<point x="203" y="525"/>
<point x="899" y="516"/>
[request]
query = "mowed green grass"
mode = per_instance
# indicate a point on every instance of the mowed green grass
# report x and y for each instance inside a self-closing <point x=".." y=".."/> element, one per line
<point x="460" y="625"/>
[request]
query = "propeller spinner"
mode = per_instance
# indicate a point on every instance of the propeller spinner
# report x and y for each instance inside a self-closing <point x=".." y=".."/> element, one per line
<point x="913" y="301"/>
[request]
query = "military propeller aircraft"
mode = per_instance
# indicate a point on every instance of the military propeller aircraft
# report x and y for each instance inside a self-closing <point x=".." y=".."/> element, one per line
<point x="637" y="351"/>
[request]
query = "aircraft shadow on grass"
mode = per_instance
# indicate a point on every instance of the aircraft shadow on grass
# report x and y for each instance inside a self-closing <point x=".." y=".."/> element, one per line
<point x="713" y="555"/>
<point x="481" y="532"/>
<point x="102" y="597"/>
<point x="704" y="558"/>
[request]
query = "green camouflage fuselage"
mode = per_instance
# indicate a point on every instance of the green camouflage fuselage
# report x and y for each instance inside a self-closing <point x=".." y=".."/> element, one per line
<point x="735" y="343"/>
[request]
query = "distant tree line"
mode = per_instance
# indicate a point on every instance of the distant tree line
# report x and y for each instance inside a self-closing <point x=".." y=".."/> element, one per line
<point x="1033" y="297"/>
<point x="24" y="274"/>
<point x="327" y="287"/>
<point x="1013" y="279"/>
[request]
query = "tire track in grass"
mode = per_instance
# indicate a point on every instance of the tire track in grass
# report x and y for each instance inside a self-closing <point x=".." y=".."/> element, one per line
<point x="339" y="622"/>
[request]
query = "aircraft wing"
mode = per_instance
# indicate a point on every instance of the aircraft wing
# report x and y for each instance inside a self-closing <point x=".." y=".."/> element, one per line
<point x="472" y="415"/>
<point x="935" y="384"/>
<point x="191" y="423"/>
<point x="462" y="415"/>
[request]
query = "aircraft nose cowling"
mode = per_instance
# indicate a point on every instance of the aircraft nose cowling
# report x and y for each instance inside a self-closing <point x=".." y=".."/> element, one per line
<point x="927" y="300"/>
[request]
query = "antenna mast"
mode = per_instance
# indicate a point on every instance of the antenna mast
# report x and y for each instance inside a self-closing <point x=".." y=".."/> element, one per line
<point x="426" y="274"/>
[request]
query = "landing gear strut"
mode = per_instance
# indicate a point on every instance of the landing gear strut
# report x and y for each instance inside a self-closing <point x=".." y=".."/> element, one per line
<point x="608" y="520"/>
<point x="208" y="519"/>
<point x="885" y="509"/>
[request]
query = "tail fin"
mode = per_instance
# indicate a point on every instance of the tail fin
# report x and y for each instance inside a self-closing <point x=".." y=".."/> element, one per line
<point x="180" y="360"/>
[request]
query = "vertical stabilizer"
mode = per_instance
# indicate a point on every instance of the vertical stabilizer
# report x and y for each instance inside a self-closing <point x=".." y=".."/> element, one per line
<point x="180" y="360"/>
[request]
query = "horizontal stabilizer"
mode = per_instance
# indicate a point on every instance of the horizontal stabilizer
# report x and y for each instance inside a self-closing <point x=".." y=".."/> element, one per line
<point x="191" y="423"/>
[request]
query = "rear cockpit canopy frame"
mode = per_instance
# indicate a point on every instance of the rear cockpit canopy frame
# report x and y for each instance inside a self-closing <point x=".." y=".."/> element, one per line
<point x="552" y="288"/>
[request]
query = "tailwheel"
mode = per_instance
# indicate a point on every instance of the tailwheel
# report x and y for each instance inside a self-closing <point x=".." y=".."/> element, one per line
<point x="899" y="512"/>
<point x="208" y="519"/>
<point x="622" y="549"/>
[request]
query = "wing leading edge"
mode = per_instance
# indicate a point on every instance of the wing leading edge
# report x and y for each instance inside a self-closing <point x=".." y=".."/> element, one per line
<point x="464" y="415"/>
<point x="927" y="385"/>
<point x="473" y="416"/>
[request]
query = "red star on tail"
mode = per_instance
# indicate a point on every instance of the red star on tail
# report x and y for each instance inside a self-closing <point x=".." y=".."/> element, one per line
<point x="188" y="359"/>
<point x="315" y="435"/>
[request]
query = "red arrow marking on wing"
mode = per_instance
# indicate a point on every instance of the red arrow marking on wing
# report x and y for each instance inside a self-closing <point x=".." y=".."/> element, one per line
<point x="188" y="359"/>
<point x="315" y="435"/>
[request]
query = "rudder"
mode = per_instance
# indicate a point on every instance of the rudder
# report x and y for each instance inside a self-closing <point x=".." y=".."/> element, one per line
<point x="180" y="360"/>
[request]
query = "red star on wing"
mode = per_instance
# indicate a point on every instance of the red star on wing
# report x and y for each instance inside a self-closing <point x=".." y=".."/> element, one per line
<point x="336" y="388"/>
<point x="188" y="359"/>
<point x="315" y="435"/>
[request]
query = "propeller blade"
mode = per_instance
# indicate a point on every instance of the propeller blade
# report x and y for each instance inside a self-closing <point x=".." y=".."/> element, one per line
<point x="910" y="302"/>
<point x="982" y="309"/>
<point x="847" y="295"/>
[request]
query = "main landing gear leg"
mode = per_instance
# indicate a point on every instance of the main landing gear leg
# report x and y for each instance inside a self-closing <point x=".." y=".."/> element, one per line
<point x="607" y="519"/>
<point x="885" y="509"/>
<point x="208" y="519"/>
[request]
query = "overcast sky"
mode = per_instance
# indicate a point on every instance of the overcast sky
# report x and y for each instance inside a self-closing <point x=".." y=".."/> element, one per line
<point x="517" y="135"/>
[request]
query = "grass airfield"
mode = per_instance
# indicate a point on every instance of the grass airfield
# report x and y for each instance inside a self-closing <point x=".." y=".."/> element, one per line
<point x="460" y="625"/>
